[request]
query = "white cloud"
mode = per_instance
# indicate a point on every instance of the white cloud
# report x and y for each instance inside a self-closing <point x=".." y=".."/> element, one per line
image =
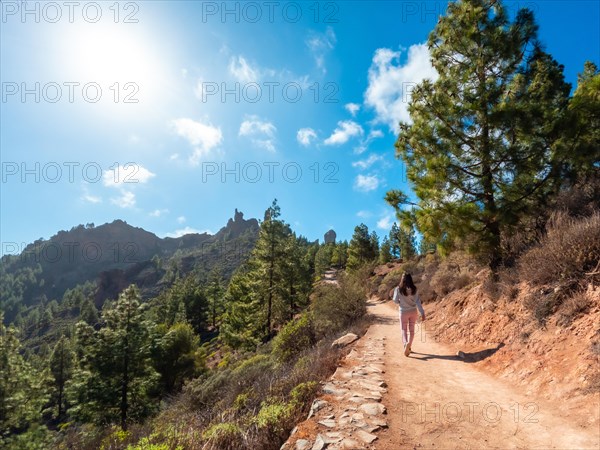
<point x="345" y="130"/>
<point x="385" y="223"/>
<point x="361" y="148"/>
<point x="390" y="83"/>
<point x="127" y="174"/>
<point x="159" y="212"/>
<point x="126" y="200"/>
<point x="364" y="214"/>
<point x="373" y="134"/>
<point x="364" y="144"/>
<point x="134" y="139"/>
<point x="320" y="44"/>
<point x="305" y="135"/>
<point x="253" y="125"/>
<point x="261" y="133"/>
<point x="186" y="230"/>
<point x="366" y="183"/>
<point x="267" y="144"/>
<point x="366" y="163"/>
<point x="91" y="198"/>
<point x="88" y="197"/>
<point x="242" y="71"/>
<point x="352" y="108"/>
<point x="181" y="219"/>
<point x="202" y="136"/>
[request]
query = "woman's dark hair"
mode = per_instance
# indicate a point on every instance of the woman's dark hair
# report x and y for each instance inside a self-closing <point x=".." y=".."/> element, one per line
<point x="407" y="283"/>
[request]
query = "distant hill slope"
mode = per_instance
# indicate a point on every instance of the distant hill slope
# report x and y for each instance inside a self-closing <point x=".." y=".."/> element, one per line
<point x="114" y="255"/>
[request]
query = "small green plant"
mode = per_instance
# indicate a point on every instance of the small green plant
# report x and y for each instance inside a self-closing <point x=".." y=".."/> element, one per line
<point x="241" y="401"/>
<point x="304" y="392"/>
<point x="115" y="438"/>
<point x="224" y="436"/>
<point x="146" y="444"/>
<point x="274" y="416"/>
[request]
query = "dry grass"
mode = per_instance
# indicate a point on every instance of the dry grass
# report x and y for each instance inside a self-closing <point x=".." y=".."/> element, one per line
<point x="564" y="262"/>
<point x="583" y="199"/>
<point x="568" y="253"/>
<point x="573" y="307"/>
<point x="455" y="272"/>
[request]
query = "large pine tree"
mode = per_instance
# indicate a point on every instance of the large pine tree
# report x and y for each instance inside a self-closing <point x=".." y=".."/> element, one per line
<point x="243" y="323"/>
<point x="269" y="254"/>
<point x="295" y="277"/>
<point x="116" y="377"/>
<point x="363" y="247"/>
<point x="484" y="143"/>
<point x="271" y="287"/>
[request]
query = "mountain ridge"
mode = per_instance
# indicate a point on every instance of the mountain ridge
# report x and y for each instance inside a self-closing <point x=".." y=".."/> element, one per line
<point x="115" y="254"/>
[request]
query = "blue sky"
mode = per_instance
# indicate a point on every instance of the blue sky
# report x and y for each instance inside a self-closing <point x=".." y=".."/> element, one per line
<point x="169" y="115"/>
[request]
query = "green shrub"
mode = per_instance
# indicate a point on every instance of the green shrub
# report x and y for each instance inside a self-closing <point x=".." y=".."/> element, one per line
<point x="225" y="436"/>
<point x="335" y="307"/>
<point x="462" y="280"/>
<point x="295" y="337"/>
<point x="411" y="267"/>
<point x="275" y="419"/>
<point x="146" y="444"/>
<point x="241" y="401"/>
<point x="304" y="392"/>
<point x="426" y="268"/>
<point x="593" y="384"/>
<point x="225" y="384"/>
<point x="246" y="372"/>
<point x="204" y="391"/>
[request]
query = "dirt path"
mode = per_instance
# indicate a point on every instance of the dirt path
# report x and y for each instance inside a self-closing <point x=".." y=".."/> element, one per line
<point x="435" y="400"/>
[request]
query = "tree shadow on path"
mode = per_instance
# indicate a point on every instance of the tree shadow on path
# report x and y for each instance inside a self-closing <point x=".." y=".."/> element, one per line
<point x="460" y="356"/>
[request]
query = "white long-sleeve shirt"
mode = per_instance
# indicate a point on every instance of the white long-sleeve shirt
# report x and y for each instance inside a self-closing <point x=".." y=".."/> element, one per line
<point x="409" y="302"/>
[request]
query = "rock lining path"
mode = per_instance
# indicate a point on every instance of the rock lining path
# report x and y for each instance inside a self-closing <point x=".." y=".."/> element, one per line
<point x="350" y="410"/>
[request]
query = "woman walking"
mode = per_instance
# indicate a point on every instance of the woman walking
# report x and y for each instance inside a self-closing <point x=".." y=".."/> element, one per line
<point x="407" y="298"/>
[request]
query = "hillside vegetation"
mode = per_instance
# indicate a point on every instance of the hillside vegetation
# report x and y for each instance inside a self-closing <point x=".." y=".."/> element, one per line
<point x="196" y="347"/>
<point x="239" y="358"/>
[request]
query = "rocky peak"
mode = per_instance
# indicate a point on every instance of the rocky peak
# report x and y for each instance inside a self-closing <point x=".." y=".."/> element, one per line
<point x="238" y="225"/>
<point x="330" y="237"/>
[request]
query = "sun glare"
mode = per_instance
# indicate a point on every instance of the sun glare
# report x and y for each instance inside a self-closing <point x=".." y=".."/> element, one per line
<point x="123" y="61"/>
